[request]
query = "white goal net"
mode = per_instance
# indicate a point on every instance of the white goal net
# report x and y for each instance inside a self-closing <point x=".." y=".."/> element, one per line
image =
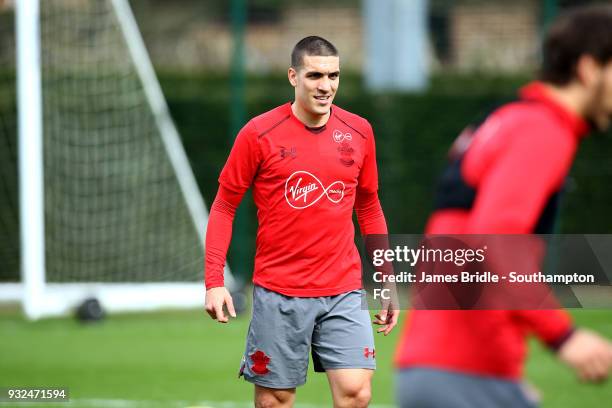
<point x="123" y="218"/>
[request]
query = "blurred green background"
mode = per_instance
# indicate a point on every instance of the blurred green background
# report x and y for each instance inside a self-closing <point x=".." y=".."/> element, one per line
<point x="413" y="134"/>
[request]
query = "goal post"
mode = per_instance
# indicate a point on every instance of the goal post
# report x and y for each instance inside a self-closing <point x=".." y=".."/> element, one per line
<point x="109" y="205"/>
<point x="31" y="189"/>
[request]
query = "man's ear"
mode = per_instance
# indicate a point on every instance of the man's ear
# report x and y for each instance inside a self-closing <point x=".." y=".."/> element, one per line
<point x="292" y="75"/>
<point x="588" y="71"/>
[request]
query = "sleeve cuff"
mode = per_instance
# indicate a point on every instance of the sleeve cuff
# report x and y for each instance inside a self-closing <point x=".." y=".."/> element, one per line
<point x="214" y="284"/>
<point x="557" y="343"/>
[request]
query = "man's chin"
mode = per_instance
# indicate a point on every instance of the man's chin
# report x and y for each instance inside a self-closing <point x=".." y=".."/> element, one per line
<point x="321" y="111"/>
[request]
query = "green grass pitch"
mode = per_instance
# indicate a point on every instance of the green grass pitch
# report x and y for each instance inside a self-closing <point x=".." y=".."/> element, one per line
<point x="183" y="359"/>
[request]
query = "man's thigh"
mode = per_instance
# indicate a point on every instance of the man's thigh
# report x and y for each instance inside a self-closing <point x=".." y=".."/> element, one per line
<point x="278" y="340"/>
<point x="343" y="336"/>
<point x="349" y="381"/>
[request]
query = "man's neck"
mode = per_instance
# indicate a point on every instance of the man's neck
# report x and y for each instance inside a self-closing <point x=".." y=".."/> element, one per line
<point x="571" y="96"/>
<point x="309" y="119"/>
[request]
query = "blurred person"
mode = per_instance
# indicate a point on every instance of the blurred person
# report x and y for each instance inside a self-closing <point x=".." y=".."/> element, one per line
<point x="506" y="179"/>
<point x="310" y="163"/>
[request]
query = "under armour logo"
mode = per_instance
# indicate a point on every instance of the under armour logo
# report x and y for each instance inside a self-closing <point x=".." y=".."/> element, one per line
<point x="288" y="152"/>
<point x="367" y="353"/>
<point x="340" y="137"/>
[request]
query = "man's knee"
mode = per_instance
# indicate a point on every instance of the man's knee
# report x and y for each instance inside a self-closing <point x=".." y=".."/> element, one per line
<point x="353" y="393"/>
<point x="273" y="398"/>
<point x="357" y="396"/>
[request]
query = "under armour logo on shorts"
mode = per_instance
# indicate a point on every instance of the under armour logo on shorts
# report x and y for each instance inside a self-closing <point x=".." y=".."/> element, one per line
<point x="367" y="353"/>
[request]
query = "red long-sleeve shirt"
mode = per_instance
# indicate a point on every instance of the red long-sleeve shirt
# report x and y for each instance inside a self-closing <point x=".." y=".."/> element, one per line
<point x="516" y="162"/>
<point x="306" y="183"/>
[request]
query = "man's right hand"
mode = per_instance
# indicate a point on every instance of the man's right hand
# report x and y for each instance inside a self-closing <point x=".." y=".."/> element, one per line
<point x="215" y="299"/>
<point x="589" y="354"/>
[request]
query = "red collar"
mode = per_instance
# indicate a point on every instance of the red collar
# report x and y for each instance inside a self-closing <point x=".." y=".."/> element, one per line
<point x="310" y="129"/>
<point x="537" y="91"/>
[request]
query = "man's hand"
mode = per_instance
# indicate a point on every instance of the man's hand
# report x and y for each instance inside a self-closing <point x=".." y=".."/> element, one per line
<point x="215" y="299"/>
<point x="389" y="311"/>
<point x="589" y="354"/>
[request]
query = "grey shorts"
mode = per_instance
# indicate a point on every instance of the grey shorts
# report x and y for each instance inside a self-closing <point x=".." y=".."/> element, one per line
<point x="285" y="329"/>
<point x="432" y="388"/>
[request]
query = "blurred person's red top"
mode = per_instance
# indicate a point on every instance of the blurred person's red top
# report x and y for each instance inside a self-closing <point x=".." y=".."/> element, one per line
<point x="517" y="161"/>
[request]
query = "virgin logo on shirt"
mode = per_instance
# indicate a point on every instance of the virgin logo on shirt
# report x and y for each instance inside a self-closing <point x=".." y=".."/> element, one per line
<point x="339" y="137"/>
<point x="303" y="189"/>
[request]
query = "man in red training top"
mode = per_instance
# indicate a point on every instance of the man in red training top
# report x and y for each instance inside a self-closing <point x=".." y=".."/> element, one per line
<point x="310" y="164"/>
<point x="507" y="182"/>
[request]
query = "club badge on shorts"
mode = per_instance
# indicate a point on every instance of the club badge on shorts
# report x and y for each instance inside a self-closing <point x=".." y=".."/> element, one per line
<point x="260" y="362"/>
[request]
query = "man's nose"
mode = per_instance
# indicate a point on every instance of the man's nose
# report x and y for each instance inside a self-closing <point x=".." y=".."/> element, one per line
<point x="324" y="84"/>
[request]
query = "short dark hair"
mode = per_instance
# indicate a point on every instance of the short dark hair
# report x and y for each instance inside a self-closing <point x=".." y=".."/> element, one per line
<point x="580" y="31"/>
<point x="312" y="45"/>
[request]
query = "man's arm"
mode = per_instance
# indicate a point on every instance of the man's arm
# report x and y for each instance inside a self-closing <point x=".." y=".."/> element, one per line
<point x="374" y="230"/>
<point x="236" y="177"/>
<point x="584" y="351"/>
<point x="374" y="227"/>
<point x="218" y="237"/>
